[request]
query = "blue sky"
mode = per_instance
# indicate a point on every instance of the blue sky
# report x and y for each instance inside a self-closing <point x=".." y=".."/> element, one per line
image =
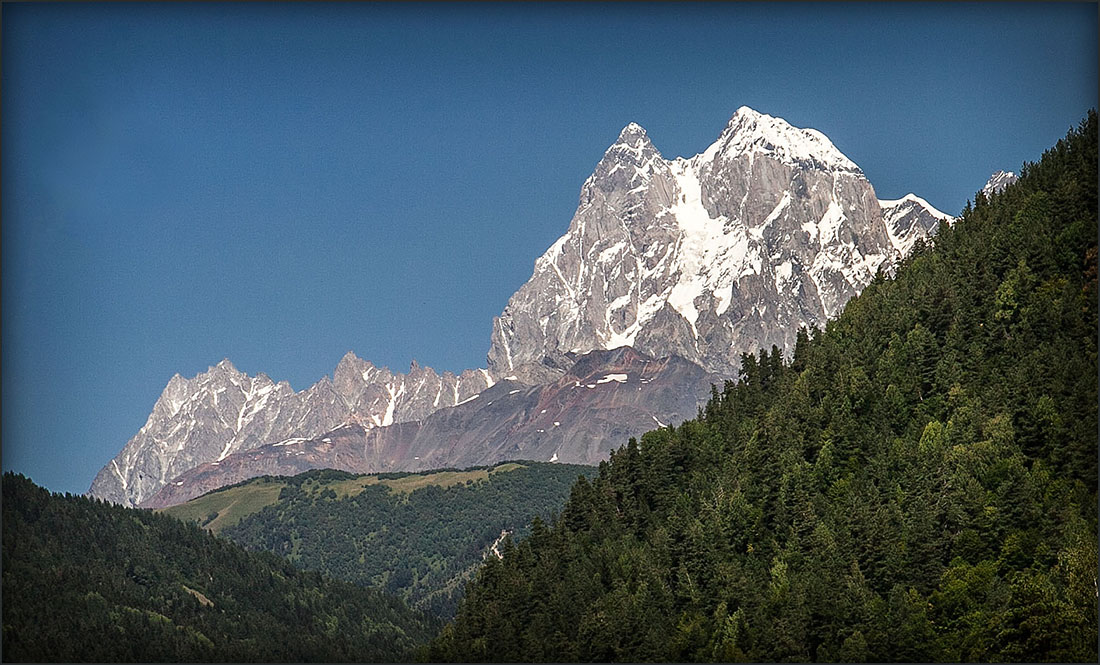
<point x="280" y="183"/>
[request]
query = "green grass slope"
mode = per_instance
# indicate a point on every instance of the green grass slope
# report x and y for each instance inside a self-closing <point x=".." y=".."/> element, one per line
<point x="227" y="506"/>
<point x="85" y="580"/>
<point x="418" y="535"/>
<point x="915" y="483"/>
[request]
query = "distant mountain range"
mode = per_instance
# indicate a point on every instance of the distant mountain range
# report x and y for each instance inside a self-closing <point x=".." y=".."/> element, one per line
<point x="670" y="269"/>
<point x="605" y="398"/>
<point x="224" y="411"/>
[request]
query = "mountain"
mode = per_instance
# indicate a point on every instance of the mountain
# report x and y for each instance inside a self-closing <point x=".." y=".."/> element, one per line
<point x="419" y="536"/>
<point x="769" y="229"/>
<point x="997" y="182"/>
<point x="604" y="398"/>
<point x="224" y="411"/>
<point x="694" y="260"/>
<point x="910" y="219"/>
<point x="84" y="580"/>
<point x="915" y="483"/>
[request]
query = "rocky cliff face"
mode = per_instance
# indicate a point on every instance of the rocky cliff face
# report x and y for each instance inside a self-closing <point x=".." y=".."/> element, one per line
<point x="596" y="405"/>
<point x="909" y="219"/>
<point x="998" y="181"/>
<point x="769" y="229"/>
<point x="692" y="261"/>
<point x="224" y="411"/>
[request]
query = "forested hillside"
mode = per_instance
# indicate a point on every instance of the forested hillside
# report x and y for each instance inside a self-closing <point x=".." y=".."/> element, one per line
<point x="420" y="536"/>
<point x="917" y="482"/>
<point x="85" y="580"/>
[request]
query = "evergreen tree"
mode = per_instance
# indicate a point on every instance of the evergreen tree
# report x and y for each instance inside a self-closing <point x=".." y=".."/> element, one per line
<point x="918" y="484"/>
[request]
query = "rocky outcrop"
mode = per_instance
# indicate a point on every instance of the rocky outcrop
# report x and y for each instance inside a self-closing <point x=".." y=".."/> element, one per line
<point x="602" y="400"/>
<point x="997" y="182"/>
<point x="692" y="261"/>
<point x="769" y="229"/>
<point x="224" y="411"/>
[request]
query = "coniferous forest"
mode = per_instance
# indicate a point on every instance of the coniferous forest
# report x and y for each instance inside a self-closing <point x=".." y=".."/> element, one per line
<point x="917" y="482"/>
<point x="422" y="545"/>
<point x="89" y="581"/>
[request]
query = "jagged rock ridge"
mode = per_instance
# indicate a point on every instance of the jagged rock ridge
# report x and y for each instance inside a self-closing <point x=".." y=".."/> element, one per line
<point x="998" y="181"/>
<point x="769" y="229"/>
<point x="909" y="219"/>
<point x="224" y="411"/>
<point x="603" y="399"/>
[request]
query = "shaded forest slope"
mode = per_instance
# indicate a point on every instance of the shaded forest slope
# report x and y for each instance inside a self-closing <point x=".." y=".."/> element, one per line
<point x="917" y="482"/>
<point x="85" y="580"/>
<point x="420" y="536"/>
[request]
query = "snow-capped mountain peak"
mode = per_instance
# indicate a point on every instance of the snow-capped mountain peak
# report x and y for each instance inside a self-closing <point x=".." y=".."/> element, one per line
<point x="632" y="133"/>
<point x="913" y="199"/>
<point x="751" y="133"/>
<point x="628" y="166"/>
<point x="910" y="218"/>
<point x="633" y="146"/>
<point x="997" y="182"/>
<point x="768" y="229"/>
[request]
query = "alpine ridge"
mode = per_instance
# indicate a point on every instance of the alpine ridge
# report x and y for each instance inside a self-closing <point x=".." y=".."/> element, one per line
<point x="224" y="411"/>
<point x="769" y="229"/>
<point x="998" y="181"/>
<point x="604" y="398"/>
<point x="909" y="219"/>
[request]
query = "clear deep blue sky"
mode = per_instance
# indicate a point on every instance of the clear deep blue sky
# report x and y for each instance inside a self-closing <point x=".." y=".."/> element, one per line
<point x="278" y="184"/>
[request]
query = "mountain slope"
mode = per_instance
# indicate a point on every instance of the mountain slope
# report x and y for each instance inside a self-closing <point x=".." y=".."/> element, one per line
<point x="419" y="536"/>
<point x="917" y="483"/>
<point x="997" y="182"/>
<point x="224" y="411"/>
<point x="84" y="580"/>
<point x="910" y="219"/>
<point x="769" y="229"/>
<point x="604" y="398"/>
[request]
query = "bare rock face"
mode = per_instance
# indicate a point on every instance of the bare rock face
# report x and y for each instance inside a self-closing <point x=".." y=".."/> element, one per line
<point x="669" y="270"/>
<point x="224" y="411"/>
<point x="909" y="219"/>
<point x="997" y="182"/>
<point x="600" y="401"/>
<point x="769" y="229"/>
